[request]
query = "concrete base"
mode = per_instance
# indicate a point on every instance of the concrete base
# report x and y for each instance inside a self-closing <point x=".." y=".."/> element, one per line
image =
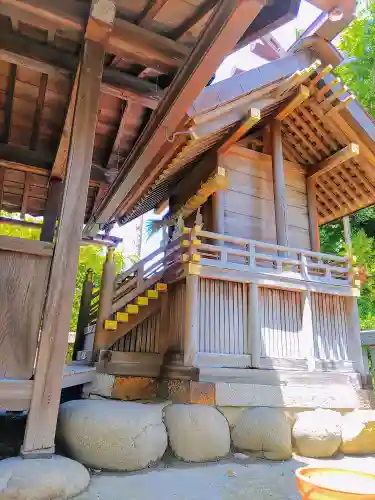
<point x="41" y="478"/>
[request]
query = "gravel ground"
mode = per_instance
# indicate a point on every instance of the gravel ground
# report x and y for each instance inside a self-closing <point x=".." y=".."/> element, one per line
<point x="229" y="480"/>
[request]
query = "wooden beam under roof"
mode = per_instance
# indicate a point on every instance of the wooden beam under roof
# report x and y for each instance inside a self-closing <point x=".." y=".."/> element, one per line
<point x="197" y="15"/>
<point x="229" y="21"/>
<point x="127" y="39"/>
<point x="235" y="135"/>
<point x="43" y="58"/>
<point x="150" y="11"/>
<point x="345" y="154"/>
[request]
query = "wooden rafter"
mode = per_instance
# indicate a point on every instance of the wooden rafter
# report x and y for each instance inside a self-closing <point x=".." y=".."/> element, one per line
<point x="150" y="11"/>
<point x="292" y="139"/>
<point x="304" y="124"/>
<point x="345" y="154"/>
<point x="320" y="129"/>
<point x="328" y="195"/>
<point x="34" y="141"/>
<point x="320" y="95"/>
<point x="304" y="140"/>
<point x="9" y="102"/>
<point x="235" y="135"/>
<point x="199" y="13"/>
<point x="349" y="178"/>
<point x="303" y="93"/>
<point x="229" y="21"/>
<point x="341" y="105"/>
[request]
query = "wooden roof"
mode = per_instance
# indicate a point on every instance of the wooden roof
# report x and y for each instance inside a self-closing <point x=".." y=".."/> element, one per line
<point x="328" y="133"/>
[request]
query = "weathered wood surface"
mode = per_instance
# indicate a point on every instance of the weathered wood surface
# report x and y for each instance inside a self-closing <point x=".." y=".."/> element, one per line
<point x="15" y="395"/>
<point x="24" y="267"/>
<point x="176" y="306"/>
<point x="143" y="338"/>
<point x="41" y="423"/>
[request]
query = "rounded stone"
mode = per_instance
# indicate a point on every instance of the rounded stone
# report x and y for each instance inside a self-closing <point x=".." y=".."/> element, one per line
<point x="197" y="433"/>
<point x="41" y="478"/>
<point x="317" y="433"/>
<point x="264" y="429"/>
<point x="113" y="435"/>
<point x="358" y="432"/>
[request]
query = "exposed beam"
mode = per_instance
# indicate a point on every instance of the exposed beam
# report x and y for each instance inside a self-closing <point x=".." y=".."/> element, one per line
<point x="126" y="39"/>
<point x="303" y="93"/>
<point x="235" y="135"/>
<point x="25" y="195"/>
<point x="150" y="11"/>
<point x="41" y="422"/>
<point x="9" y="102"/>
<point x="230" y="19"/>
<point x="112" y="163"/>
<point x="43" y="58"/>
<point x="51" y="212"/>
<point x="34" y="141"/>
<point x="345" y="154"/>
<point x="199" y="13"/>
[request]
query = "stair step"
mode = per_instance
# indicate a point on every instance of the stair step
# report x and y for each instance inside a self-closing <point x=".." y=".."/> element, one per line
<point x="142" y="301"/>
<point x="161" y="287"/>
<point x="122" y="317"/>
<point x="152" y="294"/>
<point x="132" y="309"/>
<point x="110" y="324"/>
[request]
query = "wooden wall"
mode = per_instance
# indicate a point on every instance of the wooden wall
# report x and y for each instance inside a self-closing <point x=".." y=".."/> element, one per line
<point x="176" y="307"/>
<point x="249" y="200"/>
<point x="24" y="268"/>
<point x="223" y="310"/>
<point x="142" y="338"/>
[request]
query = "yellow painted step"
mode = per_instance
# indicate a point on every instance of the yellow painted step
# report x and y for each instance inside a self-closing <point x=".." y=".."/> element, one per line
<point x="110" y="324"/>
<point x="132" y="309"/>
<point x="152" y="294"/>
<point x="142" y="301"/>
<point x="122" y="317"/>
<point x="161" y="287"/>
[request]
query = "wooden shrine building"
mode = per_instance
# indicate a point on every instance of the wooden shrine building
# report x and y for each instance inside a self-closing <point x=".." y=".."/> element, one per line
<point x="104" y="115"/>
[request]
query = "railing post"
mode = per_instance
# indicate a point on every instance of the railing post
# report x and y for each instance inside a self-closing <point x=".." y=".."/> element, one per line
<point x="307" y="329"/>
<point x="254" y="329"/>
<point x="84" y="313"/>
<point x="105" y="301"/>
<point x="355" y="347"/>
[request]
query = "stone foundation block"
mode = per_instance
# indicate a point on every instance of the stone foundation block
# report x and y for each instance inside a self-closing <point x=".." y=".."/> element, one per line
<point x="358" y="432"/>
<point x="317" y="433"/>
<point x="263" y="429"/>
<point x="197" y="433"/>
<point x="113" y="435"/>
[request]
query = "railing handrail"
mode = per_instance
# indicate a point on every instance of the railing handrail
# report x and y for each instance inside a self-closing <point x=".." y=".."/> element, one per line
<point x="273" y="246"/>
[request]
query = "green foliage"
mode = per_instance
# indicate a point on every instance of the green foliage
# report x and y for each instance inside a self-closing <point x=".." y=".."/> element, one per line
<point x="29" y="233"/>
<point x="358" y="42"/>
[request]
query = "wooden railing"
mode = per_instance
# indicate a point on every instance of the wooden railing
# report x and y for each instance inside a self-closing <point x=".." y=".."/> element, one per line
<point x="240" y="254"/>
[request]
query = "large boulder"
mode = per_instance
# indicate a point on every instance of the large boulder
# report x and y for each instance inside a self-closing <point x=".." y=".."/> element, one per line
<point x="358" y="432"/>
<point x="264" y="429"/>
<point x="317" y="433"/>
<point x="41" y="478"/>
<point x="113" y="435"/>
<point x="197" y="433"/>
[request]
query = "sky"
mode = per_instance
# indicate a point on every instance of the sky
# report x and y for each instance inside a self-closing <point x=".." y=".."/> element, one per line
<point x="243" y="59"/>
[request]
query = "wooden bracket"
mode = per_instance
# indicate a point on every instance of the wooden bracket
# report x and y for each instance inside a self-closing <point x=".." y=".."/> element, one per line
<point x="345" y="154"/>
<point x="101" y="20"/>
<point x="301" y="96"/>
<point x="252" y="118"/>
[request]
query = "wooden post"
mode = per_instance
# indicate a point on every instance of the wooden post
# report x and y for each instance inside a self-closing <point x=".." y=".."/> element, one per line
<point x="307" y="329"/>
<point x="41" y="422"/>
<point x="355" y="347"/>
<point x="51" y="214"/>
<point x="191" y="320"/>
<point x="281" y="211"/>
<point x="105" y="301"/>
<point x="218" y="212"/>
<point x="347" y="235"/>
<point x="313" y="214"/>
<point x="84" y="313"/>
<point x="254" y="330"/>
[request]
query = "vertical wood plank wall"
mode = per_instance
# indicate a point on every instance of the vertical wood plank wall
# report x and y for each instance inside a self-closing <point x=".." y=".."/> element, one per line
<point x="143" y="338"/>
<point x="249" y="199"/>
<point x="22" y="292"/>
<point x="330" y="326"/>
<point x="222" y="317"/>
<point x="281" y="324"/>
<point x="176" y="306"/>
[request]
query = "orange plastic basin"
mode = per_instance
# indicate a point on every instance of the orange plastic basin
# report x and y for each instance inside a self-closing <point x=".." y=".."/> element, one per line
<point x="327" y="484"/>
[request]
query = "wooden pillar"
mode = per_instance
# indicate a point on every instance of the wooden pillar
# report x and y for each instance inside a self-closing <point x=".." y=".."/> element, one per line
<point x="51" y="213"/>
<point x="191" y="320"/>
<point x="355" y="347"/>
<point x="105" y="302"/>
<point x="254" y="329"/>
<point x="307" y="329"/>
<point x="41" y="422"/>
<point x="347" y="235"/>
<point x="218" y="212"/>
<point x="281" y="211"/>
<point x="313" y="214"/>
<point x="84" y="313"/>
